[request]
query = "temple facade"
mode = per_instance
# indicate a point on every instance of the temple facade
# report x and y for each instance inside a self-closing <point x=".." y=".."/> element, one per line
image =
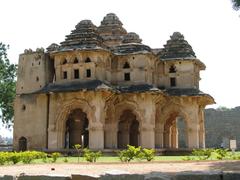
<point x="102" y="88"/>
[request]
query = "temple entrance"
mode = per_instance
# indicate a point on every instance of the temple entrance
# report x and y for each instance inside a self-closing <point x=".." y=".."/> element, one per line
<point x="77" y="129"/>
<point x="22" y="144"/>
<point x="128" y="130"/>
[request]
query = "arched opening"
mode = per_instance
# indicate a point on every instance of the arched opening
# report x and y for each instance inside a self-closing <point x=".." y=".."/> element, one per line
<point x="128" y="130"/>
<point x="175" y="132"/>
<point x="64" y="61"/>
<point x="172" y="69"/>
<point x="87" y="60"/>
<point x="126" y="65"/>
<point x="77" y="129"/>
<point x="22" y="144"/>
<point x="75" y="60"/>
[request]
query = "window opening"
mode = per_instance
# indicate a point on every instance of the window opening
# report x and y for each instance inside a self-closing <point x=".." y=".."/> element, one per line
<point x="172" y="69"/>
<point x="127" y="76"/>
<point x="172" y="82"/>
<point x="64" y="74"/>
<point x="88" y="72"/>
<point x="76" y="74"/>
<point x="88" y="60"/>
<point x="75" y="61"/>
<point x="126" y="65"/>
<point x="64" y="61"/>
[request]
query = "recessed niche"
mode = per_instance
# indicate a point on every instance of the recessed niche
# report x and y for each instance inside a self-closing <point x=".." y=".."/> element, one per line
<point x="23" y="107"/>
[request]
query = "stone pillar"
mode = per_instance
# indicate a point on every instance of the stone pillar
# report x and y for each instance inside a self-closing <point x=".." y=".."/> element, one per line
<point x="201" y="129"/>
<point x="96" y="137"/>
<point x="110" y="136"/>
<point x="193" y="136"/>
<point x="167" y="138"/>
<point x="174" y="136"/>
<point x="147" y="137"/>
<point x="159" y="136"/>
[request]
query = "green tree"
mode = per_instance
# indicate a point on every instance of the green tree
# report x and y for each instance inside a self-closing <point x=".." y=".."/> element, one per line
<point x="236" y="4"/>
<point x="7" y="85"/>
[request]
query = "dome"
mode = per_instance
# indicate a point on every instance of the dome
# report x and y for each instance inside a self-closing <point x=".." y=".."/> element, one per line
<point x="132" y="38"/>
<point x="85" y="35"/>
<point x="177" y="47"/>
<point x="53" y="47"/>
<point x="111" y="30"/>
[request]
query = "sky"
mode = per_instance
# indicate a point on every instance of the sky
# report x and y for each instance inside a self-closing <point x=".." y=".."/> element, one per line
<point x="211" y="27"/>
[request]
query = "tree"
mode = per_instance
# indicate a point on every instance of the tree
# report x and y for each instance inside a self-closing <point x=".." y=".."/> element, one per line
<point x="236" y="4"/>
<point x="7" y="85"/>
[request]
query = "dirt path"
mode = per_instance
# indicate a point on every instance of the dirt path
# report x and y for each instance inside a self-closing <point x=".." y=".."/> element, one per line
<point x="101" y="168"/>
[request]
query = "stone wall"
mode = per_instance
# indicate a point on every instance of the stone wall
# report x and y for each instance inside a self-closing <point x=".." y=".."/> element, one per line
<point x="222" y="125"/>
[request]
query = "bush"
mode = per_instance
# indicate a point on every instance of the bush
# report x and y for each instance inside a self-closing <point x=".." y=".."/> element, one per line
<point x="91" y="156"/>
<point x="14" y="157"/>
<point x="147" y="154"/>
<point x="129" y="154"/>
<point x="28" y="156"/>
<point x="3" y="158"/>
<point x="55" y="156"/>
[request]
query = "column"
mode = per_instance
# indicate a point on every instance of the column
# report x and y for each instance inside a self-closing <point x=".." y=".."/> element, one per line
<point x="96" y="138"/>
<point x="174" y="136"/>
<point x="159" y="136"/>
<point x="147" y="137"/>
<point x="201" y="129"/>
<point x="193" y="136"/>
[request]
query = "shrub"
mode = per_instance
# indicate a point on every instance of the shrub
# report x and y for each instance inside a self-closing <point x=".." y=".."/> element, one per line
<point x="3" y="158"/>
<point x="14" y="157"/>
<point x="147" y="154"/>
<point x="91" y="156"/>
<point x="55" y="156"/>
<point x="202" y="154"/>
<point x="28" y="156"/>
<point x="129" y="154"/>
<point x="65" y="160"/>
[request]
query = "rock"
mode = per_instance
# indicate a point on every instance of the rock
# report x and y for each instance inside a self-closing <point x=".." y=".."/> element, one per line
<point x="44" y="177"/>
<point x="231" y="175"/>
<point x="211" y="175"/>
<point x="83" y="177"/>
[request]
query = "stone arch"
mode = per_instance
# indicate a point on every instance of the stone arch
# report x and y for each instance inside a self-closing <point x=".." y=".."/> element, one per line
<point x="64" y="112"/>
<point x="171" y="133"/>
<point x="131" y="124"/>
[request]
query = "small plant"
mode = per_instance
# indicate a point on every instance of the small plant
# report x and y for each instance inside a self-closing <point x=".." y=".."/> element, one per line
<point x="91" y="156"/>
<point x="55" y="156"/>
<point x="147" y="154"/>
<point x="28" y="156"/>
<point x="78" y="149"/>
<point x="14" y="157"/>
<point x="65" y="160"/>
<point x="129" y="154"/>
<point x="3" y="158"/>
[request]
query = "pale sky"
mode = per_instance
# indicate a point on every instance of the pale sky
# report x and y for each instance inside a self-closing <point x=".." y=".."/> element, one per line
<point x="211" y="27"/>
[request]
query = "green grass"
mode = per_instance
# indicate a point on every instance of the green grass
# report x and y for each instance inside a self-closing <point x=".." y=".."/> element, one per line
<point x="110" y="159"/>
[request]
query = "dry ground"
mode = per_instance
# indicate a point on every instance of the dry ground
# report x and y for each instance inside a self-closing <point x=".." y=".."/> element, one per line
<point x="101" y="168"/>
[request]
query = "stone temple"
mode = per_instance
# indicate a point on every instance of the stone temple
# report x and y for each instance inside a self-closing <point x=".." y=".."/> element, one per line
<point x="103" y="88"/>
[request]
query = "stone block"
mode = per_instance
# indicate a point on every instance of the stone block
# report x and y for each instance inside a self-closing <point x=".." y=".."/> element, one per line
<point x="198" y="176"/>
<point x="231" y="175"/>
<point x="122" y="177"/>
<point x="157" y="176"/>
<point x="6" y="177"/>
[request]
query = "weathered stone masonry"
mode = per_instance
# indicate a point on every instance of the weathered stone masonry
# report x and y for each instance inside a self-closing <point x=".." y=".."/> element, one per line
<point x="104" y="89"/>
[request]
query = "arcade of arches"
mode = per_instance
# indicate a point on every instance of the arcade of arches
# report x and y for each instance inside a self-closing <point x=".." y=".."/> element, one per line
<point x="113" y="123"/>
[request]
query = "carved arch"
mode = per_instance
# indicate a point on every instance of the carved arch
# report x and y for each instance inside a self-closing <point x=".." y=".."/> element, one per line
<point x="63" y="112"/>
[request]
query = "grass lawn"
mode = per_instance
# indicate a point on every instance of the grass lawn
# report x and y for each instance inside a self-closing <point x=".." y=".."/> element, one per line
<point x="110" y="159"/>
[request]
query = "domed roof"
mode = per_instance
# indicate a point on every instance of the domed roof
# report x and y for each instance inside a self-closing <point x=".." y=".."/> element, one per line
<point x="53" y="47"/>
<point x="177" y="47"/>
<point x="132" y="37"/>
<point x="85" y="35"/>
<point x="111" y="30"/>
